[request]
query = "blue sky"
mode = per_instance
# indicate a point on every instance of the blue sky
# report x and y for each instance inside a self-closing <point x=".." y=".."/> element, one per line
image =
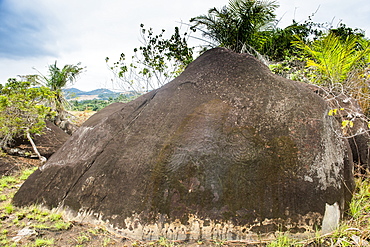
<point x="39" y="32"/>
<point x="23" y="32"/>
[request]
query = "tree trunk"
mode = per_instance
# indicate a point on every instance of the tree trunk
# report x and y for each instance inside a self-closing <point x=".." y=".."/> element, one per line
<point x="42" y="158"/>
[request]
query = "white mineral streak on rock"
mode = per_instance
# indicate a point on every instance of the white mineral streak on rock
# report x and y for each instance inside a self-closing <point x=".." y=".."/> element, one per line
<point x="328" y="164"/>
<point x="79" y="138"/>
<point x="194" y="229"/>
<point x="331" y="218"/>
<point x="308" y="179"/>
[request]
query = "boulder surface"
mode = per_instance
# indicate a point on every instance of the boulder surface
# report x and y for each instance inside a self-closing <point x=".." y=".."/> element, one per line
<point x="226" y="150"/>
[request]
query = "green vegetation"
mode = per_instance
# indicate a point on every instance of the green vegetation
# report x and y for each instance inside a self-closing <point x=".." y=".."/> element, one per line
<point x="334" y="58"/>
<point x="97" y="104"/>
<point x="45" y="226"/>
<point x="340" y="63"/>
<point x="57" y="80"/>
<point x="43" y="242"/>
<point x="337" y="60"/>
<point x="281" y="241"/>
<point x="155" y="63"/>
<point x="25" y="104"/>
<point x="238" y="25"/>
<point x="23" y="110"/>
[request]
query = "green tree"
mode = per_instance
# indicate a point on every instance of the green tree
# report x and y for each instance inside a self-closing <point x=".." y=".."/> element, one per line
<point x="277" y="43"/>
<point x="57" y="79"/>
<point x="343" y="32"/>
<point x="154" y="63"/>
<point x="23" y="111"/>
<point x="237" y="26"/>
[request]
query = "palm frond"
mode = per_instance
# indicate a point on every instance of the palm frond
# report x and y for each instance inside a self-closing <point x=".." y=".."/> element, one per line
<point x="235" y="25"/>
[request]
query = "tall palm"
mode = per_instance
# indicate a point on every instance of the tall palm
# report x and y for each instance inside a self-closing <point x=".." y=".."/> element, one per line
<point x="237" y="25"/>
<point x="58" y="79"/>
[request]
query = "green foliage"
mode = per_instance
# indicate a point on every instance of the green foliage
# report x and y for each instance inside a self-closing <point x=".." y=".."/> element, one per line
<point x="43" y="242"/>
<point x="238" y="25"/>
<point x="83" y="238"/>
<point x="341" y="63"/>
<point x="107" y="242"/>
<point x="98" y="104"/>
<point x="343" y="32"/>
<point x="277" y="43"/>
<point x="7" y="182"/>
<point x="41" y="220"/>
<point x="26" y="173"/>
<point x="88" y="105"/>
<point x="22" y="109"/>
<point x="61" y="225"/>
<point x="155" y="63"/>
<point x="9" y="208"/>
<point x="57" y="79"/>
<point x="281" y="241"/>
<point x="360" y="204"/>
<point x="335" y="57"/>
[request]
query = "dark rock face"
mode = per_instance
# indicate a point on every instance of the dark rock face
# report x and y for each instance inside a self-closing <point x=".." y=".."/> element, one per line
<point x="51" y="140"/>
<point x="358" y="135"/>
<point x="226" y="150"/>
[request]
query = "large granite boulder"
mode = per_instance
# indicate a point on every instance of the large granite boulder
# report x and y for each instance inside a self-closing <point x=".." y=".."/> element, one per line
<point x="226" y="150"/>
<point x="20" y="153"/>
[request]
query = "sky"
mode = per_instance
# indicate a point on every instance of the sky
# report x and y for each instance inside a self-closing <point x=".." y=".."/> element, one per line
<point x="35" y="34"/>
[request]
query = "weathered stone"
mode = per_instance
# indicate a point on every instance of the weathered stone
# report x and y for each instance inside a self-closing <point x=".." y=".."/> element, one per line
<point x="50" y="140"/>
<point x="227" y="150"/>
<point x="359" y="134"/>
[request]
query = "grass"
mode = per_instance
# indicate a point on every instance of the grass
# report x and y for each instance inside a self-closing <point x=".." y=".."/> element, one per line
<point x="7" y="182"/>
<point x="43" y="242"/>
<point x="50" y="228"/>
<point x="353" y="231"/>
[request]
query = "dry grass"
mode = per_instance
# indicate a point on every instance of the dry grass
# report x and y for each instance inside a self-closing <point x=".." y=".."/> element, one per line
<point x="81" y="116"/>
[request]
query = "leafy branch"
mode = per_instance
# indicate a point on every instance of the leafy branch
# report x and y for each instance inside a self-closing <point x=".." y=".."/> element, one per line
<point x="23" y="111"/>
<point x="155" y="63"/>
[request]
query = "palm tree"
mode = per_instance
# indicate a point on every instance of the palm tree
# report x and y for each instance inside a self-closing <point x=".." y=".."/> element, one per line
<point x="334" y="58"/>
<point x="237" y="25"/>
<point x="57" y="80"/>
<point x="341" y="63"/>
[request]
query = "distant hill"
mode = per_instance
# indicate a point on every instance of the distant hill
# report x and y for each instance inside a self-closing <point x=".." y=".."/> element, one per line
<point x="100" y="91"/>
<point x="102" y="94"/>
